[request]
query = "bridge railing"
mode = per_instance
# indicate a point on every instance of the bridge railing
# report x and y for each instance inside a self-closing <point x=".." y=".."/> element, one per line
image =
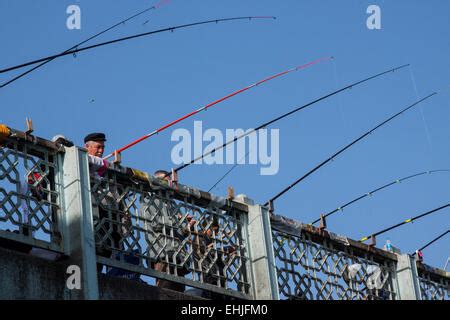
<point x="434" y="283"/>
<point x="171" y="232"/>
<point x="315" y="265"/>
<point x="125" y="219"/>
<point x="136" y="225"/>
<point x="30" y="192"/>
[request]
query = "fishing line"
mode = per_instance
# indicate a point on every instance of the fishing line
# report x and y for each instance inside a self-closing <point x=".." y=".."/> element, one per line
<point x="229" y="171"/>
<point x="427" y="130"/>
<point x="339" y="100"/>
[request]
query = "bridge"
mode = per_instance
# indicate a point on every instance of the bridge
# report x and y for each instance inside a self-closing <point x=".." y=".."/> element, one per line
<point x="57" y="214"/>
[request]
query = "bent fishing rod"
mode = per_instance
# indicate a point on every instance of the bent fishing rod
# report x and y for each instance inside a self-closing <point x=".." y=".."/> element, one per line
<point x="404" y="222"/>
<point x="270" y="202"/>
<point x="209" y="105"/>
<point x="297" y="109"/>
<point x="370" y="193"/>
<point x="154" y="7"/>
<point x="432" y="241"/>
<point x="76" y="50"/>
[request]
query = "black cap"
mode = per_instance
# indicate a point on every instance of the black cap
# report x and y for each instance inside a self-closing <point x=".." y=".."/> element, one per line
<point x="96" y="136"/>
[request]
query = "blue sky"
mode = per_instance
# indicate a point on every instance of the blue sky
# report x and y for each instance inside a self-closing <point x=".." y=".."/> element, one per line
<point x="129" y="89"/>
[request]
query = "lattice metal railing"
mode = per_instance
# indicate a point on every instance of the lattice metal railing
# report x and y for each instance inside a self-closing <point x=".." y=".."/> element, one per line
<point x="29" y="194"/>
<point x="156" y="231"/>
<point x="433" y="287"/>
<point x="308" y="270"/>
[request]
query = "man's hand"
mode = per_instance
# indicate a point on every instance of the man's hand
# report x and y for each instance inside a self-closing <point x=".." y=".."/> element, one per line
<point x="191" y="221"/>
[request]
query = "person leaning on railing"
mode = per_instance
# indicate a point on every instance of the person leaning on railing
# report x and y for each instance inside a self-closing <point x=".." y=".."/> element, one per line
<point x="95" y="146"/>
<point x="38" y="185"/>
<point x="208" y="257"/>
<point x="121" y="222"/>
<point x="166" y="236"/>
<point x="41" y="190"/>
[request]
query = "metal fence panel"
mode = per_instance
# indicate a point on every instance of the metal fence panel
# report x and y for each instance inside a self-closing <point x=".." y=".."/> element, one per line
<point x="308" y="270"/>
<point x="143" y="229"/>
<point x="433" y="287"/>
<point x="29" y="195"/>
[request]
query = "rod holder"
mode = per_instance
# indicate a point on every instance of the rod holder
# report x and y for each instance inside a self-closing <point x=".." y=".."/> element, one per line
<point x="271" y="207"/>
<point x="230" y="193"/>
<point x="174" y="178"/>
<point x="373" y="241"/>
<point x="418" y="256"/>
<point x="29" y="123"/>
<point x="117" y="157"/>
<point x="323" y="223"/>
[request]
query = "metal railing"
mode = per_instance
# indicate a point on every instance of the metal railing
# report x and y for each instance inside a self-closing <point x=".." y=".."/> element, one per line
<point x="434" y="284"/>
<point x="139" y="225"/>
<point x="30" y="194"/>
<point x="146" y="226"/>
<point x="314" y="266"/>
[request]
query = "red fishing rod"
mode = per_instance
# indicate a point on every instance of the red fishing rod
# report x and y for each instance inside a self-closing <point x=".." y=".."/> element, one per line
<point x="287" y="114"/>
<point x="204" y="108"/>
<point x="171" y="29"/>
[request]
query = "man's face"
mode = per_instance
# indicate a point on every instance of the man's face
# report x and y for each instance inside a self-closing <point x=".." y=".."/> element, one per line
<point x="162" y="176"/>
<point x="95" y="148"/>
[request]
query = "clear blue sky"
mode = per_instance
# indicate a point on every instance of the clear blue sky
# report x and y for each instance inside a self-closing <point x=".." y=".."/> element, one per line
<point x="142" y="84"/>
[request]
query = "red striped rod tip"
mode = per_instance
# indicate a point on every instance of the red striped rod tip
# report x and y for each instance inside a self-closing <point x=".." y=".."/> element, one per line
<point x="311" y="63"/>
<point x="161" y="3"/>
<point x="210" y="105"/>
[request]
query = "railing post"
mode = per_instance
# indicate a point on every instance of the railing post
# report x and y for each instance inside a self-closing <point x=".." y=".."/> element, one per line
<point x="77" y="224"/>
<point x="407" y="278"/>
<point x="262" y="258"/>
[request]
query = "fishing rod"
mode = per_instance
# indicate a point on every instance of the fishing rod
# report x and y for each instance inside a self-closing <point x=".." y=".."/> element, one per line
<point x="204" y="108"/>
<point x="154" y="7"/>
<point x="228" y="172"/>
<point x="370" y="193"/>
<point x="286" y="115"/>
<point x="270" y="202"/>
<point x="404" y="222"/>
<point x="431" y="242"/>
<point x="129" y="38"/>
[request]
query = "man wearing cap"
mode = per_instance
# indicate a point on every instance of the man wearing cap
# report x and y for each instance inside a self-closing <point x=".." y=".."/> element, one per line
<point x="95" y="145"/>
<point x="106" y="217"/>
